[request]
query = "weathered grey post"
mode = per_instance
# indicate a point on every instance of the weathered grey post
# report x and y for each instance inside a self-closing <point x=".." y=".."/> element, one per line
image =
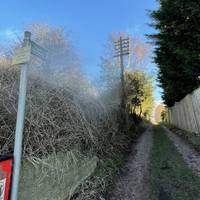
<point x="122" y="49"/>
<point x="20" y="122"/>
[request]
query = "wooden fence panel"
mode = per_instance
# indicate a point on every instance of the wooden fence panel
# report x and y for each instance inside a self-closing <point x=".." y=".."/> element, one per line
<point x="186" y="113"/>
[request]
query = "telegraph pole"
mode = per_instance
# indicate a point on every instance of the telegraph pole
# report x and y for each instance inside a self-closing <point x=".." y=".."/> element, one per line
<point x="121" y="50"/>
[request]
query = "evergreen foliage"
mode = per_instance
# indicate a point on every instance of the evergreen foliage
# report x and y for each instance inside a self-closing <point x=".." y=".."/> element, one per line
<point x="177" y="52"/>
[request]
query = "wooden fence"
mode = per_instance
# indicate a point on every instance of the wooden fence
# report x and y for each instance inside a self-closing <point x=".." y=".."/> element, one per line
<point x="186" y="113"/>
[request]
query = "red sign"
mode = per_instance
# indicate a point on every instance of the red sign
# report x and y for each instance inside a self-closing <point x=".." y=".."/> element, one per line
<point x="6" y="165"/>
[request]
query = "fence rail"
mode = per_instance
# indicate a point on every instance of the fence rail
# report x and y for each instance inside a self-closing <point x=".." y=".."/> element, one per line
<point x="186" y="113"/>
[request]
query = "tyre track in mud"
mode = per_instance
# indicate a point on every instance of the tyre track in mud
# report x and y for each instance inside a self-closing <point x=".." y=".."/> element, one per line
<point x="133" y="184"/>
<point x="190" y="155"/>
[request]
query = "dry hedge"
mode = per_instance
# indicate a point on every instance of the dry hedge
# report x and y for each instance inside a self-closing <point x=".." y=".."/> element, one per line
<point x="57" y="118"/>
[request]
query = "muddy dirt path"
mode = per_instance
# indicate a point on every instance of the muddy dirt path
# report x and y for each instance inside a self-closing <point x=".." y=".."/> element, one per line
<point x="133" y="184"/>
<point x="190" y="156"/>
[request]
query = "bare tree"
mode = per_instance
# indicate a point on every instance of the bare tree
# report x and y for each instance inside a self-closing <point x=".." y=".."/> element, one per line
<point x="139" y="53"/>
<point x="62" y="55"/>
<point x="110" y="70"/>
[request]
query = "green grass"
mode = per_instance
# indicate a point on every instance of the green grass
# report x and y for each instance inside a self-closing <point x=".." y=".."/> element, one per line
<point x="195" y="141"/>
<point x="192" y="138"/>
<point x="109" y="167"/>
<point x="101" y="183"/>
<point x="170" y="179"/>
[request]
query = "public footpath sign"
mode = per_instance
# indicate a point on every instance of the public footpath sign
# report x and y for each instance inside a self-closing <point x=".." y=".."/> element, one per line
<point x="6" y="166"/>
<point x="22" y="55"/>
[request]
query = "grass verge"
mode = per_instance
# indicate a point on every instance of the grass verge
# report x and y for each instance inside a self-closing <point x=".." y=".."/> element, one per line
<point x="98" y="186"/>
<point x="192" y="138"/>
<point x="170" y="179"/>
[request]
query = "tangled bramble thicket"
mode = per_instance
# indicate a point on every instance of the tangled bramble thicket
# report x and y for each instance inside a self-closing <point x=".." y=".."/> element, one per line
<point x="57" y="118"/>
<point x="64" y="114"/>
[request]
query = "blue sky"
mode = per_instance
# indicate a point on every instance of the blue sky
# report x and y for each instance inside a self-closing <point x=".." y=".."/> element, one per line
<point x="90" y="21"/>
